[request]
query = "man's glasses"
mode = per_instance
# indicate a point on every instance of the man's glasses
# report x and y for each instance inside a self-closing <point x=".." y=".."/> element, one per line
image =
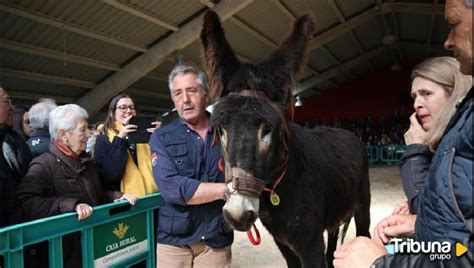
<point x="123" y="108"/>
<point x="9" y="101"/>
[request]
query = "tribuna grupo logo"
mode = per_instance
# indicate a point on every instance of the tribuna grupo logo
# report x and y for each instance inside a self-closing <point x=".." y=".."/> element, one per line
<point x="436" y="250"/>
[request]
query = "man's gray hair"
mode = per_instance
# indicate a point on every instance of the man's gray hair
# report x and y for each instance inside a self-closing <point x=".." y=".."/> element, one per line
<point x="65" y="117"/>
<point x="469" y="3"/>
<point x="39" y="113"/>
<point x="184" y="69"/>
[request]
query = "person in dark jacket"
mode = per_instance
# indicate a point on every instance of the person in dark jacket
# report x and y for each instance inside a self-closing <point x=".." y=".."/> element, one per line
<point x="437" y="87"/>
<point x="14" y="161"/>
<point x="445" y="208"/>
<point x="39" y="117"/>
<point x="123" y="165"/>
<point x="20" y="122"/>
<point x="191" y="229"/>
<point x="65" y="179"/>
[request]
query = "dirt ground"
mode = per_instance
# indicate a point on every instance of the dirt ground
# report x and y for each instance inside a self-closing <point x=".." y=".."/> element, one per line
<point x="386" y="188"/>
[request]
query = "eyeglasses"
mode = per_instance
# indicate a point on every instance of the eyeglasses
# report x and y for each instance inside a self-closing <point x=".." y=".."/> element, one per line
<point x="123" y="108"/>
<point x="9" y="101"/>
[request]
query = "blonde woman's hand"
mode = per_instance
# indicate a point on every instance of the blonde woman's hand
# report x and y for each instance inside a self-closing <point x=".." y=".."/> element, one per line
<point x="156" y="124"/>
<point x="393" y="226"/>
<point x="132" y="199"/>
<point x="415" y="134"/>
<point x="401" y="208"/>
<point x="83" y="210"/>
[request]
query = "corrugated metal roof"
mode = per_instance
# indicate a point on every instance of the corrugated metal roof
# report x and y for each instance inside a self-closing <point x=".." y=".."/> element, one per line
<point x="370" y="33"/>
<point x="41" y="65"/>
<point x="20" y="30"/>
<point x="321" y="61"/>
<point x="36" y="40"/>
<point x="409" y="32"/>
<point x="24" y="86"/>
<point x="253" y="49"/>
<point x="325" y="18"/>
<point x="350" y="8"/>
<point x="261" y="16"/>
<point x="344" y="46"/>
<point x="361" y="69"/>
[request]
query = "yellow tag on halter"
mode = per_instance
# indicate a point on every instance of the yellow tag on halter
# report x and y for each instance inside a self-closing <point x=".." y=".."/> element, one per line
<point x="274" y="199"/>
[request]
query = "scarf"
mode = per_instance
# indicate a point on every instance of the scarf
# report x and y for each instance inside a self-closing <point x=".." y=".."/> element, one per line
<point x="137" y="180"/>
<point x="66" y="149"/>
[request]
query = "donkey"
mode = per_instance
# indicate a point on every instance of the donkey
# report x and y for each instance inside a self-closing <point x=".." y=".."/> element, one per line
<point x="299" y="182"/>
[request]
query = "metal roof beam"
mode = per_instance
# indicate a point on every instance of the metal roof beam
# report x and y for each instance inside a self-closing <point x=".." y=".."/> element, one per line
<point x="54" y="22"/>
<point x="50" y="79"/>
<point x="95" y="99"/>
<point x="143" y="15"/>
<point x="36" y="96"/>
<point x="43" y="52"/>
<point x="283" y="9"/>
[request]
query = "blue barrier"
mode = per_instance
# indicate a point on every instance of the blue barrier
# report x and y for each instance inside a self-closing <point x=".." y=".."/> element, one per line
<point x="387" y="154"/>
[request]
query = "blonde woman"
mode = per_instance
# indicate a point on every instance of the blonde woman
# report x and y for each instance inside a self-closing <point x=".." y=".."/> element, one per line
<point x="122" y="165"/>
<point x="437" y="87"/>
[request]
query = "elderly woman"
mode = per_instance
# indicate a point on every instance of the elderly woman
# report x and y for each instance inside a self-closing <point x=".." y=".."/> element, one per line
<point x="124" y="165"/>
<point x="65" y="179"/>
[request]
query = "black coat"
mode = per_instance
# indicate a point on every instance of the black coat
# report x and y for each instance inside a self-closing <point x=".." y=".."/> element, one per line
<point x="414" y="166"/>
<point x="14" y="161"/>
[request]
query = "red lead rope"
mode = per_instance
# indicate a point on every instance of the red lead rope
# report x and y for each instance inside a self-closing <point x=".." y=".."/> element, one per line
<point x="251" y="238"/>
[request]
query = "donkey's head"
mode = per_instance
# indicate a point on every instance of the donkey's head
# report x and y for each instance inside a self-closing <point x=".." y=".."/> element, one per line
<point x="254" y="102"/>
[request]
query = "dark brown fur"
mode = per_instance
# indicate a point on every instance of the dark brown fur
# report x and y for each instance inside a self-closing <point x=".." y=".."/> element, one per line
<point x="326" y="182"/>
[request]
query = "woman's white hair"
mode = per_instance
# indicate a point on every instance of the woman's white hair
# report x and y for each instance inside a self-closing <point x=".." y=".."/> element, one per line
<point x="65" y="117"/>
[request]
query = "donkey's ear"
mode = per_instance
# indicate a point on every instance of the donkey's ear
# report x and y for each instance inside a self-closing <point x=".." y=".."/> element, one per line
<point x="220" y="61"/>
<point x="285" y="64"/>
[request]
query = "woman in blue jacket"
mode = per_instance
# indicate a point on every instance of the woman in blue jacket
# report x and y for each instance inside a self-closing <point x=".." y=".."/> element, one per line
<point x="437" y="87"/>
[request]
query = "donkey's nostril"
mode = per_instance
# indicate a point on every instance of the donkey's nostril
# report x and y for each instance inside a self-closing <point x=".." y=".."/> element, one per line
<point x="249" y="217"/>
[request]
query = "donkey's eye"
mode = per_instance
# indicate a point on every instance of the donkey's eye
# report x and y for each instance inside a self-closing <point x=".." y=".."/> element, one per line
<point x="267" y="135"/>
<point x="266" y="130"/>
<point x="267" y="138"/>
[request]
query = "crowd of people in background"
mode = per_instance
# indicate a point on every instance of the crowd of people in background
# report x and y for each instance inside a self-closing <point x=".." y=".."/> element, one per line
<point x="372" y="131"/>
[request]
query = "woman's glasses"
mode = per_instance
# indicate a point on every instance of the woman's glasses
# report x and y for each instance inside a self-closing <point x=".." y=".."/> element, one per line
<point x="124" y="108"/>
